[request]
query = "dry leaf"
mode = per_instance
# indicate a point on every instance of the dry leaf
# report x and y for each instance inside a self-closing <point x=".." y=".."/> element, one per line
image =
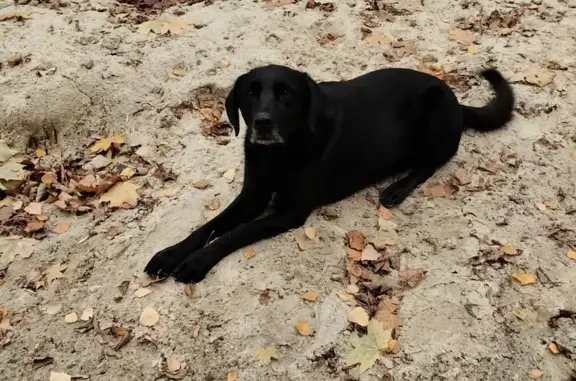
<point x="5" y="151"/>
<point x="34" y="208"/>
<point x="54" y="272"/>
<point x="535" y="373"/>
<point x="201" y="184"/>
<point x="384" y="213"/>
<point x="352" y="289"/>
<point x="229" y="175"/>
<point x="174" y="27"/>
<point x="71" y="318"/>
<point x="34" y="226"/>
<point x="213" y="204"/>
<point x="53" y="309"/>
<point x="354" y="255"/>
<point x="232" y="375"/>
<point x="61" y="228"/>
<point x="87" y="314"/>
<point x="310" y="232"/>
<point x="189" y="290"/>
<point x="249" y="253"/>
<point x="142" y="292"/>
<point x="387" y="313"/>
<point x="370" y="254"/>
<point x="524" y="278"/>
<point x="520" y="313"/>
<point x="120" y="194"/>
<point x="310" y="296"/>
<point x="538" y="76"/>
<point x="42" y="217"/>
<point x="509" y="250"/>
<point x="104" y="144"/>
<point x="442" y="189"/>
<point x="266" y="355"/>
<point x="412" y="276"/>
<point x="553" y="348"/>
<point x="10" y="247"/>
<point x="359" y="316"/>
<point x="127" y="173"/>
<point x="377" y="39"/>
<point x="367" y="348"/>
<point x="149" y="317"/>
<point x="356" y="240"/>
<point x="179" y="72"/>
<point x="571" y="254"/>
<point x="4" y="321"/>
<point x="55" y="376"/>
<point x="303" y="328"/>
<point x="301" y="239"/>
<point x="40" y="152"/>
<point x="345" y="297"/>
<point x="270" y="4"/>
<point x="464" y="37"/>
<point x="173" y="365"/>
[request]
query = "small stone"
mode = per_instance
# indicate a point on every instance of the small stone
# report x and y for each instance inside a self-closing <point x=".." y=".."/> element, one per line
<point x="88" y="63"/>
<point x="15" y="59"/>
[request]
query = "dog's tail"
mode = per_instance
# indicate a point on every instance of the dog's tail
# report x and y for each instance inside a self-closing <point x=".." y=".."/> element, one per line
<point x="496" y="113"/>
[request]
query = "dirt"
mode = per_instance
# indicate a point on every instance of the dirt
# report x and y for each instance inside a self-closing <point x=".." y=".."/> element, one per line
<point x="75" y="69"/>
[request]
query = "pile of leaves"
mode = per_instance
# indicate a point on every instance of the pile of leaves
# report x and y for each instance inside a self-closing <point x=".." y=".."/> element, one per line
<point x="375" y="281"/>
<point x="99" y="177"/>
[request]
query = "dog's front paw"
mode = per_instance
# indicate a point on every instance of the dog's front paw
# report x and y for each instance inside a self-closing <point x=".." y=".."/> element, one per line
<point x="164" y="262"/>
<point x="193" y="269"/>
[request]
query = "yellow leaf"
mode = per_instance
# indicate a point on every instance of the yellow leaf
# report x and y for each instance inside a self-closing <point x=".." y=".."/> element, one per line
<point x="104" y="144"/>
<point x="509" y="250"/>
<point x="303" y="328"/>
<point x="359" y="316"/>
<point x="40" y="152"/>
<point x="553" y="348"/>
<point x="249" y="253"/>
<point x="122" y="193"/>
<point x="149" y="317"/>
<point x="174" y="27"/>
<point x="266" y="355"/>
<point x="574" y="155"/>
<point x="310" y="296"/>
<point x="524" y="278"/>
<point x="310" y="232"/>
<point x="61" y="228"/>
<point x="472" y="49"/>
<point x="571" y="254"/>
<point x="520" y="313"/>
<point x="535" y="373"/>
<point x="48" y="178"/>
<point x="127" y="173"/>
<point x="232" y="375"/>
<point x="538" y="76"/>
<point x="367" y="348"/>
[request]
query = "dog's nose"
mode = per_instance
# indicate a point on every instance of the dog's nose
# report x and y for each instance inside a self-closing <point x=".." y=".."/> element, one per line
<point x="263" y="120"/>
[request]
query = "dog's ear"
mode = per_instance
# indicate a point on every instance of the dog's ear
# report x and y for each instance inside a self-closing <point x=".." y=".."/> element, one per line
<point x="233" y="104"/>
<point x="315" y="102"/>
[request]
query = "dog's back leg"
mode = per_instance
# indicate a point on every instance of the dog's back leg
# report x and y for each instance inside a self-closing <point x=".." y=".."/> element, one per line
<point x="436" y="128"/>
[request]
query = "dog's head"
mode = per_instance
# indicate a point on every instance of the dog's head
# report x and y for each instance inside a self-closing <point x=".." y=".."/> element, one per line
<point x="275" y="101"/>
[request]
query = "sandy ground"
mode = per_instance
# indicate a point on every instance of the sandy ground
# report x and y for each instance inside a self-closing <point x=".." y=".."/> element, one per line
<point x="86" y="70"/>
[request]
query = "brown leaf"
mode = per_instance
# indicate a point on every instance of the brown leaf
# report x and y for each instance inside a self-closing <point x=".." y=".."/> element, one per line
<point x="310" y="296"/>
<point x="105" y="144"/>
<point x="61" y="228"/>
<point x="4" y="321"/>
<point x="303" y="328"/>
<point x="173" y="365"/>
<point x="370" y="254"/>
<point x="201" y="184"/>
<point x="34" y="208"/>
<point x="520" y="313"/>
<point x="249" y="253"/>
<point x="212" y="204"/>
<point x="264" y="297"/>
<point x="310" y="232"/>
<point x="121" y="194"/>
<point x="412" y="276"/>
<point x="553" y="348"/>
<point x="354" y="255"/>
<point x="384" y="213"/>
<point x="441" y="189"/>
<point x="524" y="278"/>
<point x="189" y="290"/>
<point x="232" y="375"/>
<point x="464" y="37"/>
<point x="387" y="313"/>
<point x="54" y="272"/>
<point x="356" y="240"/>
<point x="34" y="226"/>
<point x="377" y="39"/>
<point x="535" y="373"/>
<point x="509" y="250"/>
<point x="127" y="173"/>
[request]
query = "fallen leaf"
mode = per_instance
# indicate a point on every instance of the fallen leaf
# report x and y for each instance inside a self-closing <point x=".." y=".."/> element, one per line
<point x="104" y="144"/>
<point x="40" y="152"/>
<point x="310" y="232"/>
<point x="509" y="250"/>
<point x="229" y="175"/>
<point x="34" y="208"/>
<point x="412" y="276"/>
<point x="535" y="373"/>
<point x="42" y="217"/>
<point x="310" y="296"/>
<point x="440" y="189"/>
<point x="54" y="272"/>
<point x="179" y="72"/>
<point x="520" y="313"/>
<point x="71" y="318"/>
<point x="571" y="254"/>
<point x="384" y="213"/>
<point x="4" y="321"/>
<point x="34" y="226"/>
<point x="303" y="328"/>
<point x="61" y="228"/>
<point x="264" y="297"/>
<point x="377" y="39"/>
<point x="122" y="193"/>
<point x="142" y="292"/>
<point x="538" y="76"/>
<point x="540" y="206"/>
<point x="5" y="213"/>
<point x="149" y="317"/>
<point x="5" y="151"/>
<point x="345" y="297"/>
<point x="10" y="247"/>
<point x="87" y="314"/>
<point x="189" y="290"/>
<point x="464" y="37"/>
<point x="553" y="348"/>
<point x="270" y="4"/>
<point x="266" y="355"/>
<point x="201" y="184"/>
<point x="356" y="240"/>
<point x="524" y="278"/>
<point x="367" y="348"/>
<point x="249" y="253"/>
<point x="359" y="316"/>
<point x="173" y="365"/>
<point x="370" y="254"/>
<point x="232" y="375"/>
<point x="12" y="175"/>
<point x="174" y="27"/>
<point x="301" y="239"/>
<point x="387" y="313"/>
<point x="53" y="309"/>
<point x="56" y="376"/>
<point x="352" y="289"/>
<point x="354" y="255"/>
<point x="213" y="204"/>
<point x="127" y="173"/>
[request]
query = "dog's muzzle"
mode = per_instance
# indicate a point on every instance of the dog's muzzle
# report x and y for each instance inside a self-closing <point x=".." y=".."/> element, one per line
<point x="266" y="138"/>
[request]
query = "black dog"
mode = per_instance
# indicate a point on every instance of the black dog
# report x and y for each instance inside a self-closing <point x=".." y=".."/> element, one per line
<point x="312" y="144"/>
